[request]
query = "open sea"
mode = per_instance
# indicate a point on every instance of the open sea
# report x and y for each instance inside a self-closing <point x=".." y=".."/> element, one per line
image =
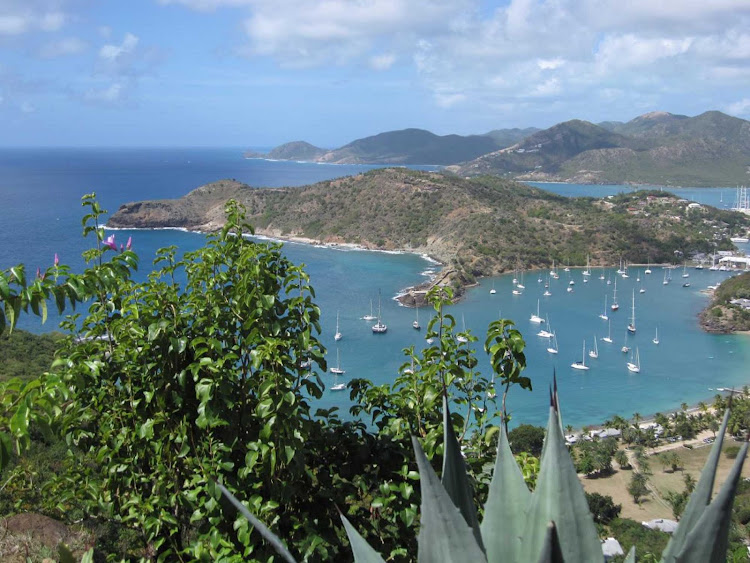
<point x="40" y="214"/>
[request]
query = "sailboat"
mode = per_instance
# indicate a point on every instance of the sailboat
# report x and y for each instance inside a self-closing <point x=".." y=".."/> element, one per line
<point x="337" y="370"/>
<point x="587" y="271"/>
<point x="545" y="332"/>
<point x="634" y="364"/>
<point x="553" y="349"/>
<point x="370" y="317"/>
<point x="684" y="271"/>
<point x="642" y="289"/>
<point x="582" y="364"/>
<point x="415" y="325"/>
<point x="338" y="334"/>
<point x="462" y="339"/>
<point x="380" y="327"/>
<point x="614" y="305"/>
<point x="595" y="352"/>
<point x="536" y="318"/>
<point x="656" y="337"/>
<point x="608" y="338"/>
<point x="666" y="281"/>
<point x="492" y="291"/>
<point x="631" y="326"/>
<point x="604" y="316"/>
<point x="520" y="285"/>
<point x="648" y="269"/>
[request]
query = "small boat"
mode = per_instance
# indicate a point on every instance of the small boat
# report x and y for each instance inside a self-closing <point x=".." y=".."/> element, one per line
<point x="539" y="279"/>
<point x="536" y="318"/>
<point x="338" y="336"/>
<point x="587" y="271"/>
<point x="492" y="291"/>
<point x="545" y="332"/>
<point x="608" y="338"/>
<point x="370" y="317"/>
<point x="571" y="282"/>
<point x="631" y="326"/>
<point x="570" y="289"/>
<point x="415" y="325"/>
<point x="604" y="316"/>
<point x="642" y="289"/>
<point x="686" y="284"/>
<point x="517" y="292"/>
<point x="625" y="348"/>
<point x="647" y="271"/>
<point x="614" y="305"/>
<point x="338" y="387"/>
<point x="739" y="239"/>
<point x="684" y="271"/>
<point x="380" y="327"/>
<point x="546" y="293"/>
<point x="656" y="337"/>
<point x="553" y="349"/>
<point x="582" y="364"/>
<point x="634" y="365"/>
<point x="337" y="370"/>
<point x="666" y="281"/>
<point x="595" y="352"/>
<point x="460" y="338"/>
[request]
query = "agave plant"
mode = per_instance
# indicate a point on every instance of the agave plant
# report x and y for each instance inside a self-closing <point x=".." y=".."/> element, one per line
<point x="551" y="524"/>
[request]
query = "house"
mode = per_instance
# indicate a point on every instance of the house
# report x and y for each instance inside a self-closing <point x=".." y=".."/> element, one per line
<point x="661" y="524"/>
<point x="611" y="548"/>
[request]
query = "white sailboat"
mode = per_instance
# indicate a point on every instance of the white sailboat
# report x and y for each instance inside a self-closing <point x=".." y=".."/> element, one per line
<point x="582" y="364"/>
<point x="545" y="332"/>
<point x="666" y="281"/>
<point x="587" y="271"/>
<point x="520" y="285"/>
<point x="492" y="291"/>
<point x="338" y="336"/>
<point x="601" y="276"/>
<point x="604" y="316"/>
<point x="614" y="305"/>
<point x="684" y="271"/>
<point x="634" y="365"/>
<point x="380" y="327"/>
<point x="370" y="317"/>
<point x="631" y="326"/>
<point x="625" y="348"/>
<point x="595" y="352"/>
<point x="608" y="338"/>
<point x="642" y="289"/>
<point x="536" y="318"/>
<point x="415" y="325"/>
<point x="648" y="269"/>
<point x="656" y="337"/>
<point x="553" y="349"/>
<point x="337" y="370"/>
<point x="462" y="339"/>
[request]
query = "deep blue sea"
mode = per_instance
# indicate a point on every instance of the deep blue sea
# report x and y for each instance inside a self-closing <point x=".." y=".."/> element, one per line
<point x="40" y="212"/>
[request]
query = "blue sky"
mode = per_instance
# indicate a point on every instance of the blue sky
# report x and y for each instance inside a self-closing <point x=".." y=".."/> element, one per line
<point x="262" y="72"/>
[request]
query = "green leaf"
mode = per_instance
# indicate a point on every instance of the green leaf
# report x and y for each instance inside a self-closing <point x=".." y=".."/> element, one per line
<point x="707" y="542"/>
<point x="507" y="504"/>
<point x="454" y="477"/>
<point x="631" y="556"/>
<point x="269" y="536"/>
<point x="6" y="447"/>
<point x="443" y="535"/>
<point x="700" y="497"/>
<point x="559" y="498"/>
<point x="147" y="429"/>
<point x="363" y="552"/>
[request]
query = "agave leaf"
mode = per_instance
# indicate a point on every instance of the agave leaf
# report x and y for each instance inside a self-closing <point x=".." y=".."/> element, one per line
<point x="631" y="556"/>
<point x="258" y="525"/>
<point x="699" y="499"/>
<point x="551" y="552"/>
<point x="507" y="503"/>
<point x="444" y="534"/>
<point x="559" y="498"/>
<point x="454" y="479"/>
<point x="363" y="552"/>
<point x="709" y="538"/>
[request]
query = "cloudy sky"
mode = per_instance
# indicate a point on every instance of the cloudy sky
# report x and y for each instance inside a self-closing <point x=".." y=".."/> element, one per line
<point x="262" y="72"/>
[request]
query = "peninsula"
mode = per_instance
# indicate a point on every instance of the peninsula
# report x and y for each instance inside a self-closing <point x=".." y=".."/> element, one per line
<point x="475" y="227"/>
<point x="729" y="310"/>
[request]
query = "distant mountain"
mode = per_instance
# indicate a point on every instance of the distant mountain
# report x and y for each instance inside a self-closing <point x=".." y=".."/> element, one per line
<point x="411" y="146"/>
<point x="711" y="149"/>
<point x="296" y="150"/>
<point x="507" y="137"/>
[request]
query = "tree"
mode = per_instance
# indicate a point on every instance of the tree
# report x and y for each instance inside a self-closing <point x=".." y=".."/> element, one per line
<point x="713" y="426"/>
<point x="621" y="457"/>
<point x="637" y="487"/>
<point x="527" y="438"/>
<point x="603" y="508"/>
<point x="670" y="459"/>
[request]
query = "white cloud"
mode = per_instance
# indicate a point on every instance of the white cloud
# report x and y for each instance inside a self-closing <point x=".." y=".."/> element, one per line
<point x="113" y="94"/>
<point x="63" y="47"/>
<point x="448" y="99"/>
<point x="18" y="17"/>
<point x="382" y="62"/>
<point x="739" y="108"/>
<point x="115" y="52"/>
<point x="550" y="64"/>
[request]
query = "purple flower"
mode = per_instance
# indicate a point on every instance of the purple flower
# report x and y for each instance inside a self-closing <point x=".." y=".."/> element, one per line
<point x="38" y="273"/>
<point x="57" y="259"/>
<point x="110" y="242"/>
<point x="130" y="243"/>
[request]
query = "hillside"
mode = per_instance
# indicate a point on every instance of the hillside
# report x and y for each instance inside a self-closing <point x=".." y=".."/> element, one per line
<point x="711" y="149"/>
<point x="507" y="137"/>
<point x="723" y="316"/>
<point x="476" y="227"/>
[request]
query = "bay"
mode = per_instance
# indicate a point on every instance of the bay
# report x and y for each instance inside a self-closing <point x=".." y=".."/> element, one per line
<point x="40" y="192"/>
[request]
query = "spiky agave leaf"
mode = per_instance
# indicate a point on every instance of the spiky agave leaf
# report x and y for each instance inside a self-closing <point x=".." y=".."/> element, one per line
<point x="708" y="540"/>
<point x="559" y="498"/>
<point x="444" y="535"/>
<point x="454" y="480"/>
<point x="631" y="556"/>
<point x="363" y="552"/>
<point x="699" y="499"/>
<point x="551" y="552"/>
<point x="507" y="504"/>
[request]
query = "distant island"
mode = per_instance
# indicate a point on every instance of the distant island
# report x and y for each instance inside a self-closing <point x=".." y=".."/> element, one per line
<point x="729" y="310"/>
<point x="475" y="227"/>
<point x="657" y="148"/>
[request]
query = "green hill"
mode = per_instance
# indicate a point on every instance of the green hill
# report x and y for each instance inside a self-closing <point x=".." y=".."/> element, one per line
<point x="722" y="315"/>
<point x="476" y="227"/>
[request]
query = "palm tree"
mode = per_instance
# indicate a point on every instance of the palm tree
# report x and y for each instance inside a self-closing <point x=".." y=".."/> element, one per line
<point x="636" y="418"/>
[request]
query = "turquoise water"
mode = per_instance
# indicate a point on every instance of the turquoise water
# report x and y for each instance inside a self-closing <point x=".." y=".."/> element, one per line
<point x="41" y="212"/>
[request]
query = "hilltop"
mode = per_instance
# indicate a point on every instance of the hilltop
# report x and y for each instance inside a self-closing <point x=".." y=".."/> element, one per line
<point x="476" y="227"/>
<point x="711" y="149"/>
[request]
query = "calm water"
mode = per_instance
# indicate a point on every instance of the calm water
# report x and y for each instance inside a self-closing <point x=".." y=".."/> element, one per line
<point x="40" y="194"/>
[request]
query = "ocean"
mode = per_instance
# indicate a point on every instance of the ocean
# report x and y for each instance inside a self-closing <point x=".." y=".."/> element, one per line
<point x="40" y="191"/>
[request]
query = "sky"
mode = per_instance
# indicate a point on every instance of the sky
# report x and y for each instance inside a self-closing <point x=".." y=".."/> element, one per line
<point x="258" y="73"/>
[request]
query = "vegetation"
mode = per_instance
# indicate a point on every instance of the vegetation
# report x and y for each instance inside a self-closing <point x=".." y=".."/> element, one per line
<point x="526" y="438"/>
<point x="476" y="227"/>
<point x="26" y="355"/>
<point x="602" y="508"/>
<point x="723" y="316"/>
